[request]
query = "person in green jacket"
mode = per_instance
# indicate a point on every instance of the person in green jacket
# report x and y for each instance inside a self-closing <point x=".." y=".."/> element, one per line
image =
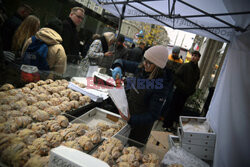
<point x="185" y="80"/>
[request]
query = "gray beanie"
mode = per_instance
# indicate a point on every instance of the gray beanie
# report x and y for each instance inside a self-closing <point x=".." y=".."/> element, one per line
<point x="176" y="49"/>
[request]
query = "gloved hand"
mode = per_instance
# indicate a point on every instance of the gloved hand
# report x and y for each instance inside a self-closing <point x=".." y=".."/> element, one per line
<point x="117" y="73"/>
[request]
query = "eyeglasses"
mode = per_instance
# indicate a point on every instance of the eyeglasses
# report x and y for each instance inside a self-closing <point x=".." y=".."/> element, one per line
<point x="79" y="17"/>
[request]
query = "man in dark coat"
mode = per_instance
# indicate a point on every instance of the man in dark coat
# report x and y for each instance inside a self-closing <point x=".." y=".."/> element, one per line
<point x="185" y="80"/>
<point x="11" y="25"/>
<point x="136" y="53"/>
<point x="121" y="52"/>
<point x="70" y="38"/>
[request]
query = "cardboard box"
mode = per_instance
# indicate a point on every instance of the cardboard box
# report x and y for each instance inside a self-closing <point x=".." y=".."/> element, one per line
<point x="161" y="138"/>
<point x="64" y="156"/>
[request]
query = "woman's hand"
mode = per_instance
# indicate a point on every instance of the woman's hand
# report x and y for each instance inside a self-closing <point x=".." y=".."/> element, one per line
<point x="124" y="117"/>
<point x="117" y="73"/>
<point x="108" y="53"/>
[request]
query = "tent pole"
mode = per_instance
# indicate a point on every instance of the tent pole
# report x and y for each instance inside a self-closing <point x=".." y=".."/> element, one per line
<point x="172" y="9"/>
<point x="116" y="7"/>
<point x="121" y="18"/>
<point x="169" y="7"/>
<point x="119" y="26"/>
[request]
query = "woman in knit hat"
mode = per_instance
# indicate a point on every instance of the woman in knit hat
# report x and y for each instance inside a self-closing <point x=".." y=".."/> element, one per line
<point x="147" y="91"/>
<point x="98" y="49"/>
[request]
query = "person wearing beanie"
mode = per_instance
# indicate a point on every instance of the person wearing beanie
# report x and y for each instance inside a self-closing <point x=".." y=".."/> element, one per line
<point x="146" y="91"/>
<point x="174" y="60"/>
<point x="185" y="79"/>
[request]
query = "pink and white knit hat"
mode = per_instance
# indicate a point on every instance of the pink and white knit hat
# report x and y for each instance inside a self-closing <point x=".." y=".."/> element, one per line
<point x="157" y="55"/>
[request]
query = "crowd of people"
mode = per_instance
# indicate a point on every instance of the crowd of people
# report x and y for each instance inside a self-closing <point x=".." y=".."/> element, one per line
<point x="161" y="82"/>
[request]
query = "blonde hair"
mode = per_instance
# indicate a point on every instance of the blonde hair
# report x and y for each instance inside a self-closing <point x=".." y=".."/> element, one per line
<point x="28" y="28"/>
<point x="155" y="73"/>
<point x="75" y="9"/>
<point x="96" y="36"/>
<point x="109" y="36"/>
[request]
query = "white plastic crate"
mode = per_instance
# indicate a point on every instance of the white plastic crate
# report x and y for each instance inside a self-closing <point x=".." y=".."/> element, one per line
<point x="201" y="135"/>
<point x="173" y="141"/>
<point x="200" y="142"/>
<point x="202" y="152"/>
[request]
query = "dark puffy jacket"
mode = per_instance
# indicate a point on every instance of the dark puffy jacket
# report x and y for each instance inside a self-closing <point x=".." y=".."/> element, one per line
<point x="186" y="77"/>
<point x="121" y="53"/>
<point x="146" y="97"/>
<point x="71" y="41"/>
<point x="135" y="54"/>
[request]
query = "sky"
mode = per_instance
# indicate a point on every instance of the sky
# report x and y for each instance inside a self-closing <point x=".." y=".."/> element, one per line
<point x="180" y="38"/>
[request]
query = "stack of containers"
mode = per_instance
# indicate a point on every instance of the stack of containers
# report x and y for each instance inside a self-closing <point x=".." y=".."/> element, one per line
<point x="197" y="137"/>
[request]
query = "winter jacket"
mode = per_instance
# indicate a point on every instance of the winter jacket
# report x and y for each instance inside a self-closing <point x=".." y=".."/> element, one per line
<point x="71" y="41"/>
<point x="98" y="48"/>
<point x="186" y="77"/>
<point x="95" y="55"/>
<point x="136" y="54"/>
<point x="173" y="64"/>
<point x="121" y="53"/>
<point x="9" y="28"/>
<point x="179" y="60"/>
<point x="56" y="57"/>
<point x="146" y="97"/>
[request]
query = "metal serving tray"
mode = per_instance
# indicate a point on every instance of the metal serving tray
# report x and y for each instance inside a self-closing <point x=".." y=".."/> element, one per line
<point x="96" y="115"/>
<point x="72" y="114"/>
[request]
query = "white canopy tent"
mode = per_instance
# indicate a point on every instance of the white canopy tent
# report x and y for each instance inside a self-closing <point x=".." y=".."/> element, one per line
<point x="207" y="18"/>
<point x="223" y="20"/>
